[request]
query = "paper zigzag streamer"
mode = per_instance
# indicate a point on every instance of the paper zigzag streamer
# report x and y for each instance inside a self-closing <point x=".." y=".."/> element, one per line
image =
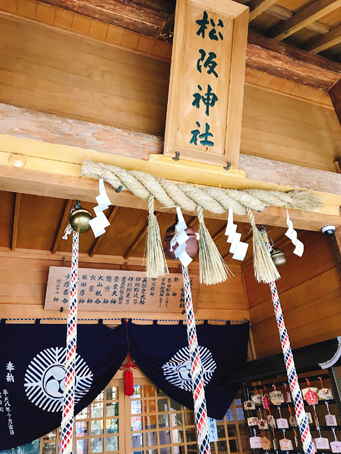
<point x="238" y="248"/>
<point x="180" y="237"/>
<point x="99" y="223"/>
<point x="292" y="235"/>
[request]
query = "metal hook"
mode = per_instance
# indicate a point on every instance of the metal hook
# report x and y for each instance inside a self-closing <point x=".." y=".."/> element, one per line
<point x="177" y="156"/>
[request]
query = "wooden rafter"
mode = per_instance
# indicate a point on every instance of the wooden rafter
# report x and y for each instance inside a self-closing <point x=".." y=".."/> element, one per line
<point x="289" y="62"/>
<point x="282" y="13"/>
<point x="99" y="239"/>
<point x="138" y="239"/>
<point x="219" y="233"/>
<point x="326" y="41"/>
<point x="335" y="96"/>
<point x="62" y="225"/>
<point x="258" y="7"/>
<point x="304" y="17"/>
<point x="16" y="220"/>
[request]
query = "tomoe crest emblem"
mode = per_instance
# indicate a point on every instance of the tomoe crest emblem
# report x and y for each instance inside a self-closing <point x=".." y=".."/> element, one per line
<point x="178" y="369"/>
<point x="45" y="375"/>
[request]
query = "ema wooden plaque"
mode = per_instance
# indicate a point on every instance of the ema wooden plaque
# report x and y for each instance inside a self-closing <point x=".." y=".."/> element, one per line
<point x="111" y="290"/>
<point x="204" y="111"/>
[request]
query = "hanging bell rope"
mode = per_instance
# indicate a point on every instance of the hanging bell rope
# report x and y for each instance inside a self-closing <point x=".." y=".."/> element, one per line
<point x="200" y="410"/>
<point x="301" y="416"/>
<point x="71" y="346"/>
<point x="188" y="196"/>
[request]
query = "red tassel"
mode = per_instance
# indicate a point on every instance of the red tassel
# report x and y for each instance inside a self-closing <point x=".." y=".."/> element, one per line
<point x="128" y="376"/>
<point x="128" y="382"/>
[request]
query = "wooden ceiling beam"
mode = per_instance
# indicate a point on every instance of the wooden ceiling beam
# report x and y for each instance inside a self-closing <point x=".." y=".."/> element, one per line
<point x="325" y="41"/>
<point x="16" y="220"/>
<point x="289" y="62"/>
<point x="99" y="239"/>
<point x="143" y="17"/>
<point x="282" y="13"/>
<point x="306" y="16"/>
<point x="257" y="7"/>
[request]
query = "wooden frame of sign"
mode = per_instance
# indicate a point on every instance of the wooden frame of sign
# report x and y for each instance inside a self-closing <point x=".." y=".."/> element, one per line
<point x="205" y="101"/>
<point x="113" y="291"/>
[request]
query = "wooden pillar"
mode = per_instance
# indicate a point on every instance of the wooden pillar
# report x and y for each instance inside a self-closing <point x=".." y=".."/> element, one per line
<point x="335" y="244"/>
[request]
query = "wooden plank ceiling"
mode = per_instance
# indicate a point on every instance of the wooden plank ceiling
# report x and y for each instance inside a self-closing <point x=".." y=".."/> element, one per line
<point x="35" y="223"/>
<point x="310" y="25"/>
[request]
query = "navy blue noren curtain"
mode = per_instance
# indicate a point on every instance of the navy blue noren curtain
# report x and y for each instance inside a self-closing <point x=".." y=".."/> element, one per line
<point x="161" y="352"/>
<point x="32" y="373"/>
<point x="32" y="370"/>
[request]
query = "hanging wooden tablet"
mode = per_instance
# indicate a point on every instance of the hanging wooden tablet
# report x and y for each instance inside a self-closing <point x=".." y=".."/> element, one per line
<point x="309" y="418"/>
<point x="324" y="393"/>
<point x="282" y="423"/>
<point x="257" y="399"/>
<point x="266" y="402"/>
<point x="262" y="424"/>
<point x="292" y="419"/>
<point x="286" y="444"/>
<point x="295" y="438"/>
<point x="335" y="445"/>
<point x="322" y="443"/>
<point x="331" y="420"/>
<point x="266" y="443"/>
<point x="255" y="442"/>
<point x="271" y="421"/>
<point x="252" y="421"/>
<point x="286" y="393"/>
<point x="276" y="397"/>
<point x="275" y="444"/>
<point x="249" y="405"/>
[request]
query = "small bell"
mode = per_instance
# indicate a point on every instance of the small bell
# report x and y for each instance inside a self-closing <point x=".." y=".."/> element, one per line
<point x="79" y="219"/>
<point x="191" y="244"/>
<point x="278" y="256"/>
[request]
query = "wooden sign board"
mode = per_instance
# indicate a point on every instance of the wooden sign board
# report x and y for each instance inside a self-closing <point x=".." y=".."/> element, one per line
<point x="204" y="112"/>
<point x="111" y="290"/>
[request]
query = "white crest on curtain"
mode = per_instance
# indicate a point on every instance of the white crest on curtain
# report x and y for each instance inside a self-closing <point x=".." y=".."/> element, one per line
<point x="45" y="376"/>
<point x="178" y="369"/>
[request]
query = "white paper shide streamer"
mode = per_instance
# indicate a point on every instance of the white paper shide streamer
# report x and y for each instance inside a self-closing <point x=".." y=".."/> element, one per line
<point x="180" y="238"/>
<point x="292" y="235"/>
<point x="238" y="248"/>
<point x="99" y="223"/>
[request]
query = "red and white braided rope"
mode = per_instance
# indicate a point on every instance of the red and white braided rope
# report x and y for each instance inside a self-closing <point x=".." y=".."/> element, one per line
<point x="71" y="346"/>
<point x="200" y="410"/>
<point x="301" y="416"/>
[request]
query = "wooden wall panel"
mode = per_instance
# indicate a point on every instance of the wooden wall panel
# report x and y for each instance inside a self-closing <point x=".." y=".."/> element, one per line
<point x="23" y="277"/>
<point x="310" y="294"/>
<point x="282" y="128"/>
<point x="55" y="72"/>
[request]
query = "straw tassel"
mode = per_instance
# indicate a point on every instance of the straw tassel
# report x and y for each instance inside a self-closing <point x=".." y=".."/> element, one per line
<point x="213" y="268"/>
<point x="264" y="268"/>
<point x="156" y="260"/>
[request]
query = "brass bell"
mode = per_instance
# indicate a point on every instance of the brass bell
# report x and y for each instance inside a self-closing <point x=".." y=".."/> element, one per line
<point x="278" y="256"/>
<point x="79" y="219"/>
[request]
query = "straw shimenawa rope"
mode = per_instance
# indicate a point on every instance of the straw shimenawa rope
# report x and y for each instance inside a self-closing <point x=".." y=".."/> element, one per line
<point x="189" y="197"/>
